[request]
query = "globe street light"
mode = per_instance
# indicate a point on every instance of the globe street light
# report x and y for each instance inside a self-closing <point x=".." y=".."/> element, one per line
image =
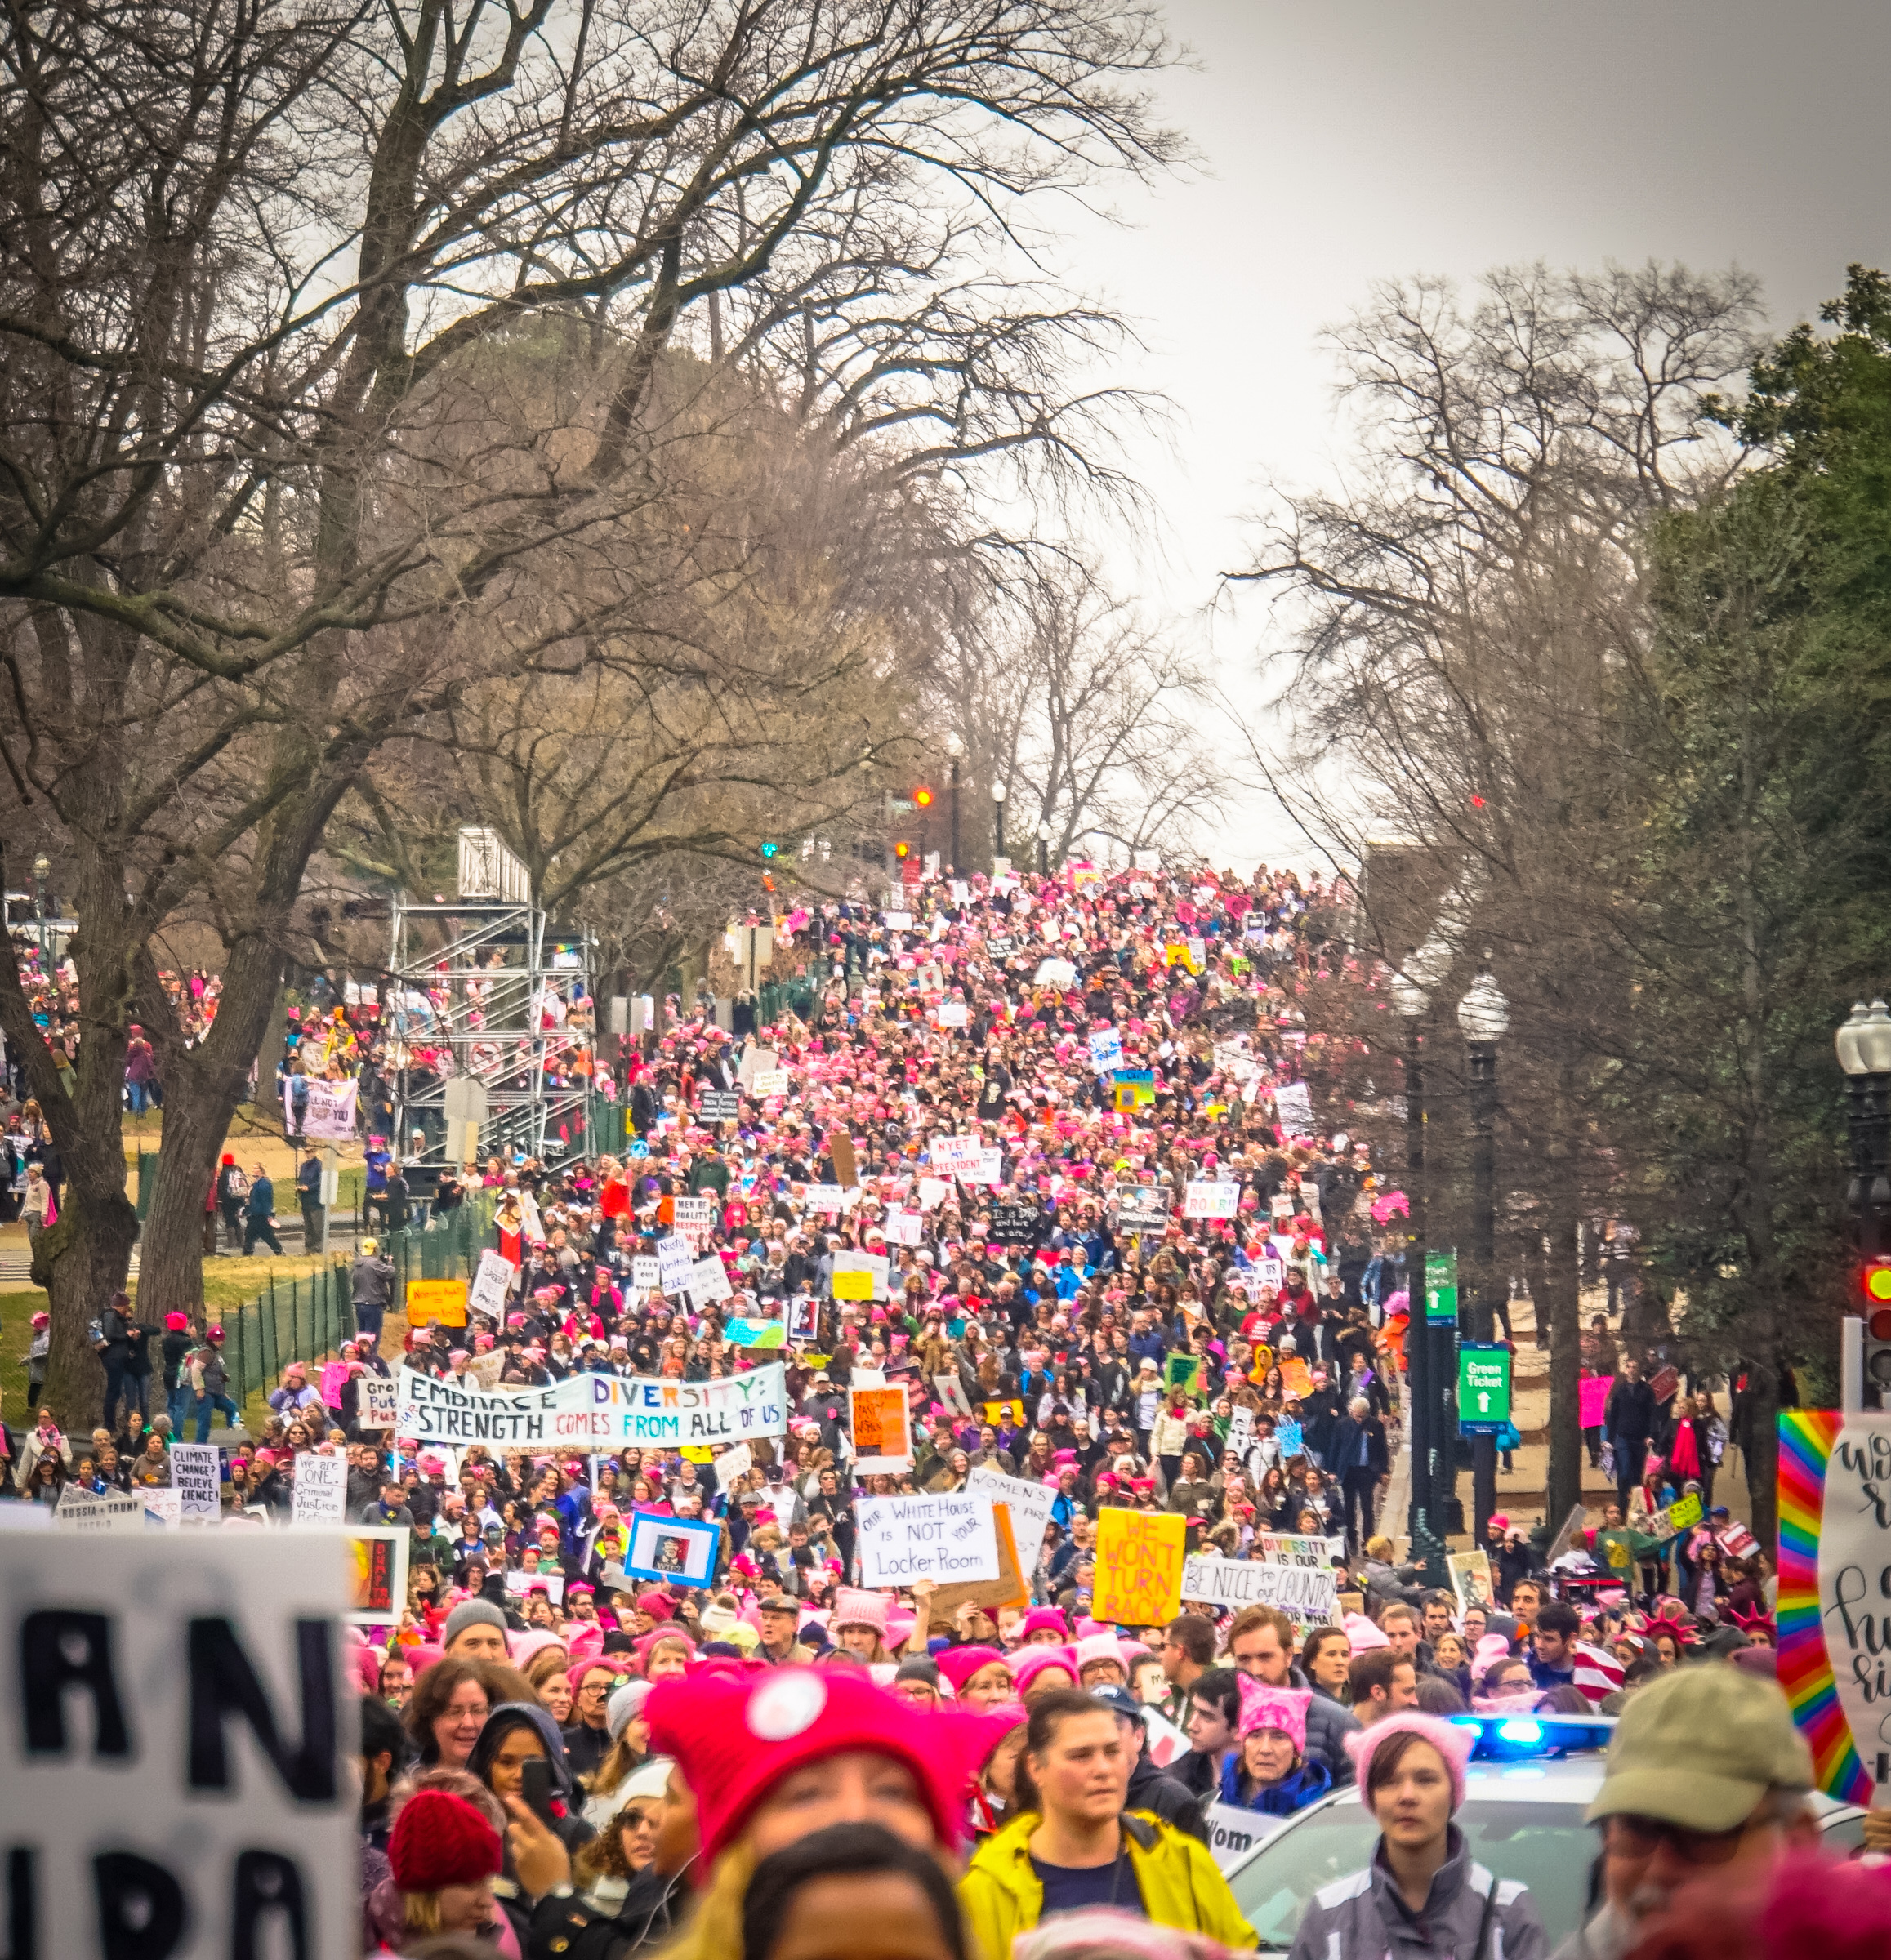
<point x="954" y="749"/>
<point x="1484" y="1016"/>
<point x="998" y="795"/>
<point x="1044" y="850"/>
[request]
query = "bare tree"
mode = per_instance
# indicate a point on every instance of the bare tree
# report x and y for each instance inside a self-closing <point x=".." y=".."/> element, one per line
<point x="244" y="263"/>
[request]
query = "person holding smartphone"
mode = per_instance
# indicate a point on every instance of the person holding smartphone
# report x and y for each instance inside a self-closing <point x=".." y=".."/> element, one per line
<point x="521" y="1754"/>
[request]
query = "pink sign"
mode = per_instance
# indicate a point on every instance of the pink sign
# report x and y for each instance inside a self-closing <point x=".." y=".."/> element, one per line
<point x="1592" y="1397"/>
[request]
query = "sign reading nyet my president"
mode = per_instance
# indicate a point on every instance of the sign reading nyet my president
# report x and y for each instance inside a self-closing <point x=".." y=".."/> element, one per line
<point x="947" y="1538"/>
<point x="607" y="1409"/>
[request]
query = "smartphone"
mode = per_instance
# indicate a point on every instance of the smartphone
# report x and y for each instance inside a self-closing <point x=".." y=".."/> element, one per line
<point x="535" y="1787"/>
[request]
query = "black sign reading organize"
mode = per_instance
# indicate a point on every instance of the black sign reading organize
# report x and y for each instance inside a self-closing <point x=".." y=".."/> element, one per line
<point x="718" y="1106"/>
<point x="1144" y="1210"/>
<point x="1016" y="1224"/>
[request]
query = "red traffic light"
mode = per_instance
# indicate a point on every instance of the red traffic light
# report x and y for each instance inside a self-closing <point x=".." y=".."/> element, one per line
<point x="1879" y="1326"/>
<point x="921" y="798"/>
<point x="1875" y="1281"/>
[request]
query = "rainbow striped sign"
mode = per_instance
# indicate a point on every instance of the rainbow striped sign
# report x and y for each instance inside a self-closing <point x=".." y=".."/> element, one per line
<point x="1806" y="1437"/>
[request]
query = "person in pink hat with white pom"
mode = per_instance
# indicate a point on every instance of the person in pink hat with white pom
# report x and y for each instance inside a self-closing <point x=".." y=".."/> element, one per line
<point x="1422" y="1894"/>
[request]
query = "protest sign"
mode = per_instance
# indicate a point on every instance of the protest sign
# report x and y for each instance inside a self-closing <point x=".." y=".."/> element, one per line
<point x="196" y="1476"/>
<point x="380" y="1401"/>
<point x="1030" y="1505"/>
<point x="163" y="1507"/>
<point x="718" y="1106"/>
<point x="491" y="1284"/>
<point x="1664" y="1386"/>
<point x="952" y="1157"/>
<point x="321" y="1489"/>
<point x="1834" y="1624"/>
<point x="377" y="1574"/>
<point x="953" y="1013"/>
<point x="1138" y="1566"/>
<point x="209" y="1688"/>
<point x="754" y="1060"/>
<point x="1056" y="973"/>
<point x="329" y="1117"/>
<point x="903" y="1228"/>
<point x="732" y="1463"/>
<point x="1232" y="1831"/>
<point x="109" y="1513"/>
<point x="882" y="1440"/>
<point x="1016" y="1224"/>
<point x="804" y="1317"/>
<point x="1471" y="1578"/>
<point x="694" y="1216"/>
<point x="853" y="1285"/>
<point x="1011" y="1588"/>
<point x="1183" y="1371"/>
<point x="1289" y="1548"/>
<point x="947" y="1537"/>
<point x="1143" y="1210"/>
<point x="932" y="1192"/>
<point x="872" y="1264"/>
<point x="675" y="1257"/>
<point x="442" y="1302"/>
<point x="646" y="1274"/>
<point x="679" y="1551"/>
<point x="482" y="1370"/>
<point x="1290" y="1437"/>
<point x="952" y="1391"/>
<point x="1106" y="1050"/>
<point x="1592" y="1399"/>
<point x="1296" y="1378"/>
<point x="896" y="922"/>
<point x="709" y="1281"/>
<point x="1307" y="1594"/>
<point x="1206" y="1198"/>
<point x="1736" y="1541"/>
<point x="1011" y="1411"/>
<point x="520" y="1584"/>
<point x="826" y="1197"/>
<point x="1293" y="1108"/>
<point x="597" y="1410"/>
<point x="1240" y="1431"/>
<point x="1687" y="1511"/>
<point x="741" y="1333"/>
<point x="771" y="1082"/>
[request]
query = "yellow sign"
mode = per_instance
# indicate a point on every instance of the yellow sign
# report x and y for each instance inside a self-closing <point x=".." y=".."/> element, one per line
<point x="1295" y="1377"/>
<point x="1138" y="1566"/>
<point x="697" y="1454"/>
<point x="853" y="1285"/>
<point x="443" y="1301"/>
<point x="1011" y="1412"/>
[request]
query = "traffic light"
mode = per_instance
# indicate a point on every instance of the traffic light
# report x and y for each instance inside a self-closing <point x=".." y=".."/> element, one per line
<point x="922" y="799"/>
<point x="1874" y="1283"/>
<point x="902" y="851"/>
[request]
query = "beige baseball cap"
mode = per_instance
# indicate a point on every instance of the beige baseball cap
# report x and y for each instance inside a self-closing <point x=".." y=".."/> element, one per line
<point x="1701" y="1747"/>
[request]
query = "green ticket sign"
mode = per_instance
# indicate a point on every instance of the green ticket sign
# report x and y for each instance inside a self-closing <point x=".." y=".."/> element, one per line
<point x="1483" y="1388"/>
<point x="1441" y="1289"/>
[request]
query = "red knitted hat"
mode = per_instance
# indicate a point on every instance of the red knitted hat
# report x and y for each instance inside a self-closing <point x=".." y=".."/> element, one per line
<point x="735" y="1737"/>
<point x="439" y="1840"/>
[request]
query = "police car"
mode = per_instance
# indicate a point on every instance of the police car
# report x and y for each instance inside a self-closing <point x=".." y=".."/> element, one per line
<point x="1530" y="1780"/>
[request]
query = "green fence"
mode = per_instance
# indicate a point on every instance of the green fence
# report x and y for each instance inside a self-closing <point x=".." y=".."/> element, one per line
<point x="308" y="1318"/>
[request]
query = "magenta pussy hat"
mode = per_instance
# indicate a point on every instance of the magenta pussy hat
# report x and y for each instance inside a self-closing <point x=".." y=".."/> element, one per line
<point x="1453" y="1743"/>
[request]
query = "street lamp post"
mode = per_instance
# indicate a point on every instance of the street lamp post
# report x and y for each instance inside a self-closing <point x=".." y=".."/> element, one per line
<point x="1864" y="1049"/>
<point x="997" y="823"/>
<point x="1484" y="1016"/>
<point x="1411" y="1001"/>
<point x="41" y="870"/>
<point x="1044" y="850"/>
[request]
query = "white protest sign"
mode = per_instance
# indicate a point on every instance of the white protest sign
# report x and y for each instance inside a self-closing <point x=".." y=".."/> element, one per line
<point x="646" y="1274"/>
<point x="321" y="1492"/>
<point x="896" y="922"/>
<point x="519" y="1584"/>
<point x="1241" y="1433"/>
<point x="732" y="1463"/>
<point x="1293" y="1106"/>
<point x="380" y="1399"/>
<point x="1030" y="1505"/>
<point x="903" y="1228"/>
<point x="675" y="1257"/>
<point x="953" y="1013"/>
<point x="709" y="1281"/>
<point x="1304" y="1593"/>
<point x="196" y="1474"/>
<point x="1106" y="1050"/>
<point x="1232" y="1831"/>
<point x="949" y="1538"/>
<point x="932" y="1193"/>
<point x="873" y="1265"/>
<point x="1272" y="1272"/>
<point x="110" y="1512"/>
<point x="771" y="1082"/>
<point x="211" y="1686"/>
<point x="952" y="1392"/>
<point x="165" y="1505"/>
<point x="696" y="1215"/>
<point x="330" y="1114"/>
<point x="1206" y="1198"/>
<point x="826" y="1197"/>
<point x="491" y="1284"/>
<point x="954" y="1157"/>
<point x="1854" y="1553"/>
<point x="990" y="1168"/>
<point x="1288" y="1549"/>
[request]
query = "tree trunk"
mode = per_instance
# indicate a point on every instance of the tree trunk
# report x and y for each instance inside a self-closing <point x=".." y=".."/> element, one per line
<point x="1564" y="1483"/>
<point x="82" y="1262"/>
<point x="1762" y="1463"/>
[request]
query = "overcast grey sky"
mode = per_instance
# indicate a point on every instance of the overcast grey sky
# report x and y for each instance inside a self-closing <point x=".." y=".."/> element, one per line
<point x="1345" y="142"/>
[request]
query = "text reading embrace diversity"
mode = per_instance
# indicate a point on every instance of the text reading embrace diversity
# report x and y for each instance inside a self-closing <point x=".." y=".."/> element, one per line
<point x="607" y="1410"/>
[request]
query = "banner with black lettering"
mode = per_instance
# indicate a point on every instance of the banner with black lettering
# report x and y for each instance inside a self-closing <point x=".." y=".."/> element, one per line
<point x="597" y="1411"/>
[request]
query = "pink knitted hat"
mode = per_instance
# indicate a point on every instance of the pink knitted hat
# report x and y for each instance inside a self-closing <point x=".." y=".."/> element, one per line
<point x="1453" y="1743"/>
<point x="1028" y="1663"/>
<point x="1265" y="1707"/>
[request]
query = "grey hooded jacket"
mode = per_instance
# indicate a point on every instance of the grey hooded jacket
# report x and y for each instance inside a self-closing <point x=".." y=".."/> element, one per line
<point x="1364" y="1917"/>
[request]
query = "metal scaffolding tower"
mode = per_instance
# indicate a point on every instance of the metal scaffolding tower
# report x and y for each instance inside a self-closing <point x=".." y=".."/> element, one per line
<point x="492" y="1021"/>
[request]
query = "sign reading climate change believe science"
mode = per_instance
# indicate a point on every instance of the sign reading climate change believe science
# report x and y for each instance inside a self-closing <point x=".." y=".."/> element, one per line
<point x="606" y="1410"/>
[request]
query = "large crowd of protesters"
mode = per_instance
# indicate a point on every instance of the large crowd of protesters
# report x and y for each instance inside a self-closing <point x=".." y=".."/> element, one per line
<point x="569" y="1764"/>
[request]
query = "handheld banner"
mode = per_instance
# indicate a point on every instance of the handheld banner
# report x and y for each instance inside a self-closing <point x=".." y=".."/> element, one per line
<point x="442" y="1301"/>
<point x="677" y="1551"/>
<point x="949" y="1537"/>
<point x="1138" y="1566"/>
<point x="603" y="1409"/>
